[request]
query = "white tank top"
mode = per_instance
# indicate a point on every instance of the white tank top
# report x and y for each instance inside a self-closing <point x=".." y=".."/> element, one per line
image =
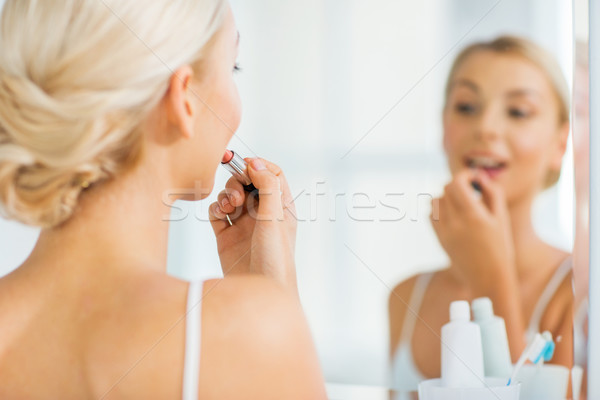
<point x="193" y="319"/>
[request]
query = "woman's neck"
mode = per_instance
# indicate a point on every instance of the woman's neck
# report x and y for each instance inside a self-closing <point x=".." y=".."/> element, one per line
<point x="121" y="223"/>
<point x="531" y="253"/>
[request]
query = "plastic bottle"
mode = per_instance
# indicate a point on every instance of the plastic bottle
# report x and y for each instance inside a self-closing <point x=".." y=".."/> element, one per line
<point x="496" y="353"/>
<point x="462" y="357"/>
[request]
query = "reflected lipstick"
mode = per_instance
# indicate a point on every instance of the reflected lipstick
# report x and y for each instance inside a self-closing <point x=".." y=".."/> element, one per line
<point x="237" y="166"/>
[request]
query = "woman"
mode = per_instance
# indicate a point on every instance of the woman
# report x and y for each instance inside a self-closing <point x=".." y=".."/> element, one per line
<point x="506" y="124"/>
<point x="106" y="108"/>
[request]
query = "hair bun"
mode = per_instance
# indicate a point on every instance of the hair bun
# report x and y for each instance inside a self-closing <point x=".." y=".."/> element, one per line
<point x="77" y="82"/>
<point x="39" y="183"/>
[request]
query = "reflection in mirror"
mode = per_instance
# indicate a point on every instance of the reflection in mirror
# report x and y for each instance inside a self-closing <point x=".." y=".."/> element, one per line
<point x="505" y="132"/>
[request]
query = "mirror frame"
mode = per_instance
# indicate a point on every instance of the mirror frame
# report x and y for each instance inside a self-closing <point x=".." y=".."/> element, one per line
<point x="594" y="280"/>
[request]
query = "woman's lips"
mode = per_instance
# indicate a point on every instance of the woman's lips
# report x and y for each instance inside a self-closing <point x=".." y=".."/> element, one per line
<point x="488" y="165"/>
<point x="492" y="172"/>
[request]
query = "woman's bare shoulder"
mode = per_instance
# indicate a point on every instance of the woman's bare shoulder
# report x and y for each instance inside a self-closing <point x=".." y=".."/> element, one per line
<point x="559" y="310"/>
<point x="400" y="295"/>
<point x="255" y="331"/>
<point x="398" y="303"/>
<point x="254" y="339"/>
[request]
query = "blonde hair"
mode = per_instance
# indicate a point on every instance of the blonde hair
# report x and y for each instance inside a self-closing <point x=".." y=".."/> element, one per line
<point x="512" y="45"/>
<point x="77" y="79"/>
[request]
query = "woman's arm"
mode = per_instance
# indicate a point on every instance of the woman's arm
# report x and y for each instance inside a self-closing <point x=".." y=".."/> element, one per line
<point x="257" y="235"/>
<point x="558" y="319"/>
<point x="256" y="343"/>
<point x="476" y="234"/>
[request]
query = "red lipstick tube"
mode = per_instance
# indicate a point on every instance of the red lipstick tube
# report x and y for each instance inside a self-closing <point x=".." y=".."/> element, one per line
<point x="237" y="166"/>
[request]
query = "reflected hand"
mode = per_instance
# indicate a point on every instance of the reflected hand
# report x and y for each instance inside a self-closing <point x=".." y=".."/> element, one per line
<point x="475" y="230"/>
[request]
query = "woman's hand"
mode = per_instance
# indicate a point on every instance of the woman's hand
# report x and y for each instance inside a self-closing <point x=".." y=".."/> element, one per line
<point x="262" y="236"/>
<point x="475" y="229"/>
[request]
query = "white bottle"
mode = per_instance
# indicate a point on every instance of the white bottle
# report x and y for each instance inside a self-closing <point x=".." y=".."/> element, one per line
<point x="462" y="357"/>
<point x="496" y="353"/>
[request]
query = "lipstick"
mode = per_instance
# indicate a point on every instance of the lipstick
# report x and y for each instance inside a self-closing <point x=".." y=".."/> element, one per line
<point x="237" y="166"/>
<point x="475" y="184"/>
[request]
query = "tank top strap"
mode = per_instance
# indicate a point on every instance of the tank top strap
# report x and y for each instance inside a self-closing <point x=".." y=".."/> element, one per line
<point x="193" y="319"/>
<point x="555" y="281"/>
<point x="414" y="305"/>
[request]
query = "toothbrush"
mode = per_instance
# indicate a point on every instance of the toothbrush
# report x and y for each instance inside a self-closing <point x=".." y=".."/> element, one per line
<point x="540" y="349"/>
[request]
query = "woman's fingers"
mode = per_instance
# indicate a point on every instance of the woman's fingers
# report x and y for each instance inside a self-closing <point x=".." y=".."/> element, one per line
<point x="226" y="200"/>
<point x="286" y="194"/>
<point x="269" y="185"/>
<point x="436" y="206"/>
<point x="229" y="205"/>
<point x="273" y="191"/>
<point x="440" y="216"/>
<point x="218" y="218"/>
<point x="463" y="191"/>
<point x="454" y="198"/>
<point x="493" y="196"/>
<point x="463" y="196"/>
<point x="215" y="212"/>
<point x="235" y="192"/>
<point x="232" y="197"/>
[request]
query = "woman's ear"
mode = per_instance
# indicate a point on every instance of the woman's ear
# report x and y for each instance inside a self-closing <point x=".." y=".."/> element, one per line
<point x="180" y="111"/>
<point x="444" y="130"/>
<point x="560" y="146"/>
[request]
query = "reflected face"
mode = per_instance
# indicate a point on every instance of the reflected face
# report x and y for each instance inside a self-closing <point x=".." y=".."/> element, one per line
<point x="218" y="103"/>
<point x="502" y="117"/>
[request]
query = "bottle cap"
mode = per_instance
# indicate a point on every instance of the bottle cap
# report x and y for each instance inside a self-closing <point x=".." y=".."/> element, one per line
<point x="460" y="311"/>
<point x="482" y="308"/>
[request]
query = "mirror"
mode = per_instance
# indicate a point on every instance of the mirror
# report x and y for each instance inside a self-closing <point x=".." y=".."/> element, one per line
<point x="348" y="98"/>
<point x="581" y="140"/>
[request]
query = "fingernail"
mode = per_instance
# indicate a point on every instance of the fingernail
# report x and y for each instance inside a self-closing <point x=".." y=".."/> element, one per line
<point x="225" y="202"/>
<point x="258" y="165"/>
